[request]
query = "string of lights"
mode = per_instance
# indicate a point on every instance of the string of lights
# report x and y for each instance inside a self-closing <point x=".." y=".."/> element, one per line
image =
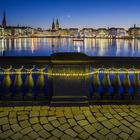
<point x="67" y="74"/>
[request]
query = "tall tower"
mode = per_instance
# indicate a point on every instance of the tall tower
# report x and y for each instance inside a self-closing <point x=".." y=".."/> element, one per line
<point x="53" y="25"/>
<point x="57" y="24"/>
<point x="135" y="31"/>
<point x="4" y="19"/>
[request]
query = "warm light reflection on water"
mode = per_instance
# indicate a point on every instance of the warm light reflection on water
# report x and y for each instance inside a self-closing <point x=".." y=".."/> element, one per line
<point x="47" y="46"/>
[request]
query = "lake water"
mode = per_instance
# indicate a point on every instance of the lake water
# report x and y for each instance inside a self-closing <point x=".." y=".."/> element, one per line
<point x="48" y="46"/>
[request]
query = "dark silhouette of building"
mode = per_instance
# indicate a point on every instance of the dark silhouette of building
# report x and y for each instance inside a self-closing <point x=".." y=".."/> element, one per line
<point x="57" y="24"/>
<point x="4" y="20"/>
<point x="53" y="25"/>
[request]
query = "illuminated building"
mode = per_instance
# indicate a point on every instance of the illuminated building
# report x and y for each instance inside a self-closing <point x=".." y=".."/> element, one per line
<point x="73" y="32"/>
<point x="15" y="31"/>
<point x="56" y="31"/>
<point x="113" y="32"/>
<point x="63" y="32"/>
<point x="102" y="33"/>
<point x="134" y="32"/>
<point x="121" y="32"/>
<point x="88" y="32"/>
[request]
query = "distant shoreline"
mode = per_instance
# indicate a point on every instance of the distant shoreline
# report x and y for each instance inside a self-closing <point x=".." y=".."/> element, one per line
<point x="9" y="37"/>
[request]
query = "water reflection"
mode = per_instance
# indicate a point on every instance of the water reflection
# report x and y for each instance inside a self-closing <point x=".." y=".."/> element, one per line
<point x="47" y="46"/>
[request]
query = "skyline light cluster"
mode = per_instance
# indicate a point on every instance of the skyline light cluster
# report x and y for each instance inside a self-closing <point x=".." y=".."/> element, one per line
<point x="72" y="13"/>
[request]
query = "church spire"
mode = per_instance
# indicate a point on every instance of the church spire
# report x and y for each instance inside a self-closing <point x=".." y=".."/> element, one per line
<point x="4" y="19"/>
<point x="53" y="25"/>
<point x="57" y="24"/>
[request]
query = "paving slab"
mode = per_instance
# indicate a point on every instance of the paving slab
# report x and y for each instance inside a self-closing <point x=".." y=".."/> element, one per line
<point x="106" y="122"/>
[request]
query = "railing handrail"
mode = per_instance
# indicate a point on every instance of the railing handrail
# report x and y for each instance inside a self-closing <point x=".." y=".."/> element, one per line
<point x="72" y="58"/>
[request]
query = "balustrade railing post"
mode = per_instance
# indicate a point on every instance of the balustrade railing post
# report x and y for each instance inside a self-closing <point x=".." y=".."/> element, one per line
<point x="126" y="82"/>
<point x="96" y="82"/>
<point x="101" y="75"/>
<point x="116" y="83"/>
<point x="136" y="83"/>
<point x="50" y="82"/>
<point x="106" y="81"/>
<point x="18" y="83"/>
<point x="7" y="82"/>
<point x="41" y="81"/>
<point x="29" y="83"/>
<point x="111" y="77"/>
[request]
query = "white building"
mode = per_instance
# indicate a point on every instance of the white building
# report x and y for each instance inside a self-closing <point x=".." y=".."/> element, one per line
<point x="121" y="33"/>
<point x="102" y="33"/>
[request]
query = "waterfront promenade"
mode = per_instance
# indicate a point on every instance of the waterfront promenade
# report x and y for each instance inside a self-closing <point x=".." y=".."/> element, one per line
<point x="107" y="122"/>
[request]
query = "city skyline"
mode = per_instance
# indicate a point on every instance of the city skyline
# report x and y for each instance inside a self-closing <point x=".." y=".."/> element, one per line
<point x="71" y="13"/>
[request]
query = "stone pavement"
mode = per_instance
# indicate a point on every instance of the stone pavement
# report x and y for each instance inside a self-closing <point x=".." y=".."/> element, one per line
<point x="107" y="122"/>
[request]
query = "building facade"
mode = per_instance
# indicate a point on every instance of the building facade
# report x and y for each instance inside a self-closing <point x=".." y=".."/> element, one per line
<point x="56" y="31"/>
<point x="88" y="32"/>
<point x="102" y="33"/>
<point x="112" y="32"/>
<point x="121" y="33"/>
<point x="73" y="32"/>
<point x="15" y="31"/>
<point x="134" y="32"/>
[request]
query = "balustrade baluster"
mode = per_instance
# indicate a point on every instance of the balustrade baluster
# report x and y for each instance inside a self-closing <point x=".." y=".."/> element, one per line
<point x="136" y="83"/>
<point x="106" y="81"/>
<point x="18" y="83"/>
<point x="96" y="82"/>
<point x="126" y="83"/>
<point x="41" y="80"/>
<point x="111" y="77"/>
<point x="101" y="87"/>
<point x="7" y="82"/>
<point x="131" y="78"/>
<point x="1" y="79"/>
<point x="29" y="83"/>
<point x="116" y="83"/>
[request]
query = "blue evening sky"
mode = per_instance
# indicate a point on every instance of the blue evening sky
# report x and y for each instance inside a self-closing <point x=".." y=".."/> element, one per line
<point x="72" y="13"/>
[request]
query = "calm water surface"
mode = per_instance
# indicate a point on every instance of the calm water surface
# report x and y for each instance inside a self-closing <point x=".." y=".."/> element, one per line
<point x="48" y="46"/>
